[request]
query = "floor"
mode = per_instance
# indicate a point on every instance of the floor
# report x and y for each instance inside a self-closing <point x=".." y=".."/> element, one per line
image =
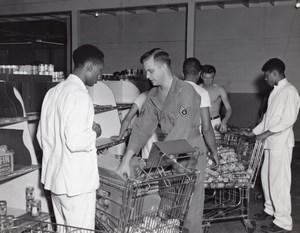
<point x="236" y="226"/>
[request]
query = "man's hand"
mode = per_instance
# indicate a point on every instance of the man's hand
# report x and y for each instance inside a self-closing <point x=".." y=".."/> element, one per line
<point x="217" y="160"/>
<point x="96" y="127"/>
<point x="264" y="135"/>
<point x="223" y="128"/>
<point x="246" y="132"/>
<point x="124" y="169"/>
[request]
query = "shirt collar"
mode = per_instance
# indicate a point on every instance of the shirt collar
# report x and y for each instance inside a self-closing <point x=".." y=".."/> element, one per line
<point x="281" y="83"/>
<point x="76" y="79"/>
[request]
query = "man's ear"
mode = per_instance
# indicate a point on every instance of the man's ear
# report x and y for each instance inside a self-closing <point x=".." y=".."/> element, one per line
<point x="89" y="65"/>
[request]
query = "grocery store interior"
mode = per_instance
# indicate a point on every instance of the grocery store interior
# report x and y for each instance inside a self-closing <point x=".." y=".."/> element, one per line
<point x="37" y="38"/>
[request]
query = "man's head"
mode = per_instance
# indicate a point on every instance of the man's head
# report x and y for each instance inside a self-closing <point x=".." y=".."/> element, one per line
<point x="274" y="71"/>
<point x="156" y="64"/>
<point x="208" y="74"/>
<point x="192" y="68"/>
<point x="89" y="59"/>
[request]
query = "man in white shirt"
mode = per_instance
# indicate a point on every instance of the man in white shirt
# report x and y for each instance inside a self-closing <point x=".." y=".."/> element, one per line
<point x="276" y="128"/>
<point x="192" y="71"/>
<point x="67" y="135"/>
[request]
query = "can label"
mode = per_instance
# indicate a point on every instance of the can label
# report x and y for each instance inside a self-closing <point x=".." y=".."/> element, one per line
<point x="29" y="193"/>
<point x="3" y="208"/>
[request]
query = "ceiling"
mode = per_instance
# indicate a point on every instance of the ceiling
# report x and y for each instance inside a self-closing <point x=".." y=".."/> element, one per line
<point x="51" y="29"/>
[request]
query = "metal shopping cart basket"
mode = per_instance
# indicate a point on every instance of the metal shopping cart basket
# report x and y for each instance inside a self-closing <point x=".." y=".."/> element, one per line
<point x="227" y="187"/>
<point x="157" y="201"/>
<point x="34" y="226"/>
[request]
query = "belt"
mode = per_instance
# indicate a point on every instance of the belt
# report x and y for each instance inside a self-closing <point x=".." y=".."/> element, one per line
<point x="216" y="117"/>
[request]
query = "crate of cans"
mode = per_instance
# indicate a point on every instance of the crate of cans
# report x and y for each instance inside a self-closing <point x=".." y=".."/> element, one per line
<point x="240" y="158"/>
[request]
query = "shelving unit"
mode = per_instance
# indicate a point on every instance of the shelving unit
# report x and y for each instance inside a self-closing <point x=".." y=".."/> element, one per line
<point x="14" y="133"/>
<point x="18" y="171"/>
<point x="13" y="120"/>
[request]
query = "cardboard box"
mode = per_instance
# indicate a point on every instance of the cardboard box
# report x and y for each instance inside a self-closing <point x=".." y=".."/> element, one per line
<point x="6" y="163"/>
<point x="166" y="153"/>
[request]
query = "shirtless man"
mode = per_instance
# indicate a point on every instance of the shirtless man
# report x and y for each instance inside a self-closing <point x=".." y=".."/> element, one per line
<point x="217" y="95"/>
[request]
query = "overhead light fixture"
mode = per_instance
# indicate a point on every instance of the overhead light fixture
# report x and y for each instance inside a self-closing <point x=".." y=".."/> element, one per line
<point x="96" y="14"/>
<point x="297" y="4"/>
<point x="15" y="43"/>
<point x="48" y="42"/>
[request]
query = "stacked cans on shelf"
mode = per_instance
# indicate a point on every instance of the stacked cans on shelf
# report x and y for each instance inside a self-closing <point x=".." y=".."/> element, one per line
<point x="41" y="69"/>
<point x="6" y="221"/>
<point x="33" y="206"/>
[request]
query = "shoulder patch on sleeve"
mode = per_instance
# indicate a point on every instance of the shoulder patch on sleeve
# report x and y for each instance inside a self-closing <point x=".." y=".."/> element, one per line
<point x="184" y="111"/>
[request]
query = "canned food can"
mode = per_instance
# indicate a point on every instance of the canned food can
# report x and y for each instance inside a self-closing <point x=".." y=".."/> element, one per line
<point x="29" y="193"/>
<point x="41" y="68"/>
<point x="51" y="68"/>
<point x="3" y="208"/>
<point x="28" y="206"/>
<point x="10" y="221"/>
<point x="36" y="208"/>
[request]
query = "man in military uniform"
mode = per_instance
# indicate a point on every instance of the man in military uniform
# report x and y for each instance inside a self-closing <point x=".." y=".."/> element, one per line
<point x="174" y="106"/>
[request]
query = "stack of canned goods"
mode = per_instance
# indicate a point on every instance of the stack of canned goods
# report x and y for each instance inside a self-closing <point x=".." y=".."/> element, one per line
<point x="42" y="69"/>
<point x="33" y="206"/>
<point x="6" y="221"/>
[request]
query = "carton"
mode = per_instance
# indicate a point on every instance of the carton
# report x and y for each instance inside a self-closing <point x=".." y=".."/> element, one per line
<point x="6" y="163"/>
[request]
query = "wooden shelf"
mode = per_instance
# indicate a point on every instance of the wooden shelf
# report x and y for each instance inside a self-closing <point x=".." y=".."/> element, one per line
<point x="103" y="108"/>
<point x="122" y="107"/>
<point x="13" y="120"/>
<point x="18" y="171"/>
<point x="26" y="222"/>
<point x="106" y="143"/>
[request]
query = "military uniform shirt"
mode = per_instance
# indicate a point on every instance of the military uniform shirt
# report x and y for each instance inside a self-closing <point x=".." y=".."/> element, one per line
<point x="178" y="117"/>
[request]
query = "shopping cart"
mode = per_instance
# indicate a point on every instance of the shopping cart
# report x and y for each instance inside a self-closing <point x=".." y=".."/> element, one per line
<point x="157" y="201"/>
<point x="155" y="205"/>
<point x="34" y="226"/>
<point x="227" y="188"/>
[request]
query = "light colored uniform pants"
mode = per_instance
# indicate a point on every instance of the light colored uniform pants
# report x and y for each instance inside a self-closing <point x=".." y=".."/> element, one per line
<point x="276" y="183"/>
<point x="77" y="211"/>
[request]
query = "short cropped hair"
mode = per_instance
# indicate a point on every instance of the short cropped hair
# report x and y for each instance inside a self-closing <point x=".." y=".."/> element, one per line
<point x="191" y="66"/>
<point x="87" y="53"/>
<point x="274" y="64"/>
<point x="158" y="55"/>
<point x="208" y="69"/>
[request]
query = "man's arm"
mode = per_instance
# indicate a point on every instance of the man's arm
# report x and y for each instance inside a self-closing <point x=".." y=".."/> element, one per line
<point x="126" y="121"/>
<point x="142" y="130"/>
<point x="225" y="100"/>
<point x="208" y="133"/>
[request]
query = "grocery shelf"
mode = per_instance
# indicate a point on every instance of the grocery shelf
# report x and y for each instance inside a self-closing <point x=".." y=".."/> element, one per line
<point x="31" y="116"/>
<point x="105" y="143"/>
<point x="103" y="108"/>
<point x="18" y="171"/>
<point x="123" y="106"/>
